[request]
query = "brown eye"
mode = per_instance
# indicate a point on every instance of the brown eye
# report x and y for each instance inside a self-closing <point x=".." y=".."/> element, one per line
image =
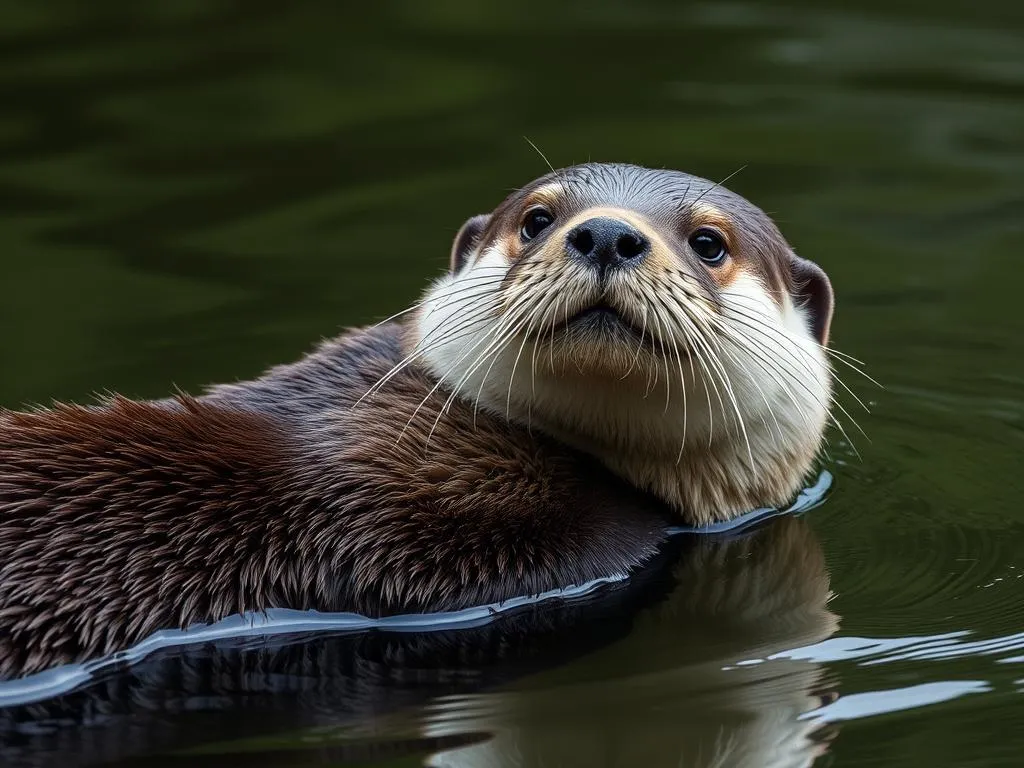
<point x="709" y="245"/>
<point x="536" y="221"/>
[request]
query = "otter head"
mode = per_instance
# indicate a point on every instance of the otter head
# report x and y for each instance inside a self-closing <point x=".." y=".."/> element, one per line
<point x="648" y="317"/>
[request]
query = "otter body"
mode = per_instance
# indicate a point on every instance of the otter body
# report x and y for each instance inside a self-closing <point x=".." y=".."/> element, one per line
<point x="613" y="348"/>
<point x="126" y="518"/>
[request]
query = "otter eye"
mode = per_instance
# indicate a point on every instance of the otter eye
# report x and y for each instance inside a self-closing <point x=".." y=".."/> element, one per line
<point x="536" y="221"/>
<point x="709" y="245"/>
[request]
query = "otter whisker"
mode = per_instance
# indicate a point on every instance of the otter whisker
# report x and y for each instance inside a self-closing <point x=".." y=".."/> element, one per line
<point x="551" y="343"/>
<point x="565" y="326"/>
<point x="514" y="314"/>
<point x="537" y="343"/>
<point x="652" y="370"/>
<point x="761" y="322"/>
<point x="768" y="366"/>
<point x="764" y="354"/>
<point x="481" y="305"/>
<point x="769" y="346"/>
<point x="763" y="330"/>
<point x="518" y="308"/>
<point x="464" y="297"/>
<point x="526" y="337"/>
<point x="693" y="377"/>
<point x="709" y="333"/>
<point x="419" y="350"/>
<point x="478" y="280"/>
<point x="533" y="359"/>
<point x="713" y="187"/>
<point x="813" y="395"/>
<point x="836" y="355"/>
<point x="639" y="347"/>
<point x="400" y="313"/>
<point x="658" y="317"/>
<point x="686" y="410"/>
<point x="715" y="361"/>
<point x="753" y="380"/>
<point x="422" y="349"/>
<point x="542" y="155"/>
<point x="455" y="391"/>
<point x="839" y="353"/>
<point x="506" y="332"/>
<point x="478" y="283"/>
<point x="478" y="308"/>
<point x="693" y="341"/>
<point x="848" y="360"/>
<point x="441" y="379"/>
<point x="704" y="381"/>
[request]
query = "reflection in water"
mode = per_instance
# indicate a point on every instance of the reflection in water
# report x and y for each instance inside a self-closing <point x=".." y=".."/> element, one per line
<point x="681" y="698"/>
<point x="671" y="637"/>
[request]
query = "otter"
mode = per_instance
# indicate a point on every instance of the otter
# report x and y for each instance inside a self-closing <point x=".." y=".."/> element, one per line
<point x="613" y="349"/>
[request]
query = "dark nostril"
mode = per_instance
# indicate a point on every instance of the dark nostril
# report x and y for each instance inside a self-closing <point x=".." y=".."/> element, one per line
<point x="582" y="240"/>
<point x="630" y="245"/>
<point x="607" y="243"/>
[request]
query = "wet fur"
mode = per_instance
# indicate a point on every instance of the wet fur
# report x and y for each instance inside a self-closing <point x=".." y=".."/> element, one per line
<point x="365" y="478"/>
<point x="128" y="517"/>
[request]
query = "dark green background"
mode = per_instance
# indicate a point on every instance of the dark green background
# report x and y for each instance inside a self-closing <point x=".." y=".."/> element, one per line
<point x="192" y="191"/>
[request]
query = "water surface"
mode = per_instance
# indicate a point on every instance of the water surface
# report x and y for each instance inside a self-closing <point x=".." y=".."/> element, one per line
<point x="191" y="192"/>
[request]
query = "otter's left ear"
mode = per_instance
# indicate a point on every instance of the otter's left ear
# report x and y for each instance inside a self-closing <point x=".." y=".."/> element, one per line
<point x="466" y="240"/>
<point x="813" y="291"/>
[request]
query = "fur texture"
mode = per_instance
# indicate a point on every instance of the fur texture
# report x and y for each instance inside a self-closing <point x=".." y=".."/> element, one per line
<point x="397" y="469"/>
<point x="126" y="518"/>
<point x="711" y="388"/>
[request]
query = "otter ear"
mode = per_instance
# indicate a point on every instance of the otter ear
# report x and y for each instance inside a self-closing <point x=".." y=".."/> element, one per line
<point x="466" y="240"/>
<point x="813" y="291"/>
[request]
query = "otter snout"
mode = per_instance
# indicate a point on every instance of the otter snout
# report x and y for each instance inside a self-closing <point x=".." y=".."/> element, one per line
<point x="606" y="244"/>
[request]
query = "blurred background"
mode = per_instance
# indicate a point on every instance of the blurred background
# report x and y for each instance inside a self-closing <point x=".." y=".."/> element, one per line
<point x="193" y="191"/>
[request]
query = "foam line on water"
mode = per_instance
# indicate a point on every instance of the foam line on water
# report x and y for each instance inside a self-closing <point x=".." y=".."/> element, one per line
<point x="280" y="621"/>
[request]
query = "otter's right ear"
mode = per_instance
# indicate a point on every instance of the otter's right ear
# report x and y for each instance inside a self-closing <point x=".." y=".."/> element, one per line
<point x="467" y="239"/>
<point x="813" y="291"/>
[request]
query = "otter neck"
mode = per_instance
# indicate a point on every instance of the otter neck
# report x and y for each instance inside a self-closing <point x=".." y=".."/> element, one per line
<point x="708" y="480"/>
<point x="697" y="460"/>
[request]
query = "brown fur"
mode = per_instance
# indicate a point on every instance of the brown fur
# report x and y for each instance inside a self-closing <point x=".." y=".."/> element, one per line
<point x="124" y="518"/>
<point x="120" y="519"/>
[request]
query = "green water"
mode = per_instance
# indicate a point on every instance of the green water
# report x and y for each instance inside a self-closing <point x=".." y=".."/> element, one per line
<point x="192" y="191"/>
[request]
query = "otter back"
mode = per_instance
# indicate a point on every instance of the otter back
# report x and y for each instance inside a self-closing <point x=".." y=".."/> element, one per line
<point x="123" y="518"/>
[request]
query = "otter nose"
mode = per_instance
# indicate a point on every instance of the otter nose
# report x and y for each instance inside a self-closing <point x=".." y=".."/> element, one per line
<point x="607" y="244"/>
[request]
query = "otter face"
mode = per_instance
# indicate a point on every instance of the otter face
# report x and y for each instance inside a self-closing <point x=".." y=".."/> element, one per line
<point x="651" y="318"/>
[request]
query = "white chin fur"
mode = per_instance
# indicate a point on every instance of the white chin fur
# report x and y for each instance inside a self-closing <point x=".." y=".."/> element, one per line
<point x="458" y="324"/>
<point x="779" y="384"/>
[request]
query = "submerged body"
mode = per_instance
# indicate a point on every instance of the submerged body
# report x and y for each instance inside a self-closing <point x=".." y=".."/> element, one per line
<point x="613" y="348"/>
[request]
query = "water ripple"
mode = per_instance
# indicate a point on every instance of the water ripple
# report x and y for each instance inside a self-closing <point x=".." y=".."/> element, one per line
<point x="868" y="651"/>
